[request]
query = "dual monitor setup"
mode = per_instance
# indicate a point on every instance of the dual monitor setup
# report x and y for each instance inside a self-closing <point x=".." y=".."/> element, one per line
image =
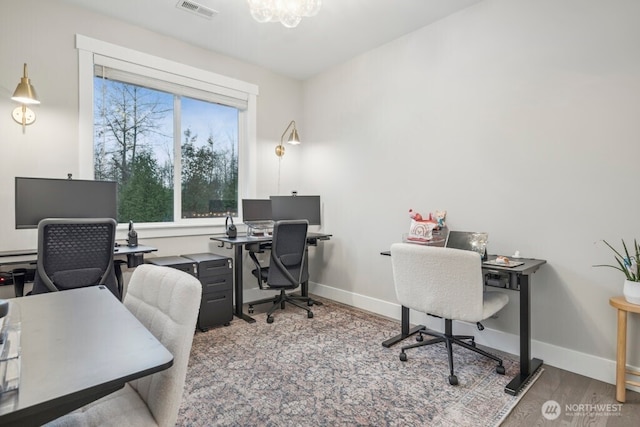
<point x="39" y="198"/>
<point x="261" y="213"/>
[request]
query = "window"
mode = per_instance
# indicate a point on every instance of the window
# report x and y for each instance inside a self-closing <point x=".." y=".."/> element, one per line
<point x="176" y="139"/>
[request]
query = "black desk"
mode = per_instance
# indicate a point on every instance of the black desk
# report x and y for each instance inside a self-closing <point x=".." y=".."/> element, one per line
<point x="76" y="347"/>
<point x="134" y="256"/>
<point x="237" y="244"/>
<point x="518" y="275"/>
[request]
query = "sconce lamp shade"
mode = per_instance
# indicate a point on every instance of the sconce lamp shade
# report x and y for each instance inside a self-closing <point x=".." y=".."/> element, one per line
<point x="25" y="92"/>
<point x="294" y="138"/>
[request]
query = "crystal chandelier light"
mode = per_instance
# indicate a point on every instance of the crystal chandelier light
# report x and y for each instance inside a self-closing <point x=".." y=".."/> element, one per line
<point x="288" y="12"/>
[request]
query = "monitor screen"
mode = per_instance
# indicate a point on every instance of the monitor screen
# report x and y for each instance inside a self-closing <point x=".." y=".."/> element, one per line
<point x="38" y="198"/>
<point x="467" y="240"/>
<point x="256" y="210"/>
<point x="296" y="207"/>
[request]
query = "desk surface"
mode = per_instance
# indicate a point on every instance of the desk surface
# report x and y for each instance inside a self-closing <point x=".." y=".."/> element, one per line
<point x="77" y="346"/>
<point x="530" y="264"/>
<point x="27" y="256"/>
<point x="245" y="239"/>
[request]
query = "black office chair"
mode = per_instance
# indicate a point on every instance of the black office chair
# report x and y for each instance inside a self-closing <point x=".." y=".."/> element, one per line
<point x="287" y="269"/>
<point x="75" y="253"/>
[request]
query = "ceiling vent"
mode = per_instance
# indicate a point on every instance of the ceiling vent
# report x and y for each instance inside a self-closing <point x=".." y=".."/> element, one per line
<point x="196" y="8"/>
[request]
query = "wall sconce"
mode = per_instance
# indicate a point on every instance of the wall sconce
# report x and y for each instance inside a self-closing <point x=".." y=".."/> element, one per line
<point x="294" y="139"/>
<point x="25" y="94"/>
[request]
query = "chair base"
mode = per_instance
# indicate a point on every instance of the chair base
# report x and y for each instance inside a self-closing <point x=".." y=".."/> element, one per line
<point x="449" y="339"/>
<point x="280" y="300"/>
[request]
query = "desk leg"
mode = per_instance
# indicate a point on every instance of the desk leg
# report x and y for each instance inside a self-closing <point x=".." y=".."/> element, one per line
<point x="237" y="269"/>
<point x="621" y="357"/>
<point x="405" y="329"/>
<point x="528" y="366"/>
<point x="117" y="266"/>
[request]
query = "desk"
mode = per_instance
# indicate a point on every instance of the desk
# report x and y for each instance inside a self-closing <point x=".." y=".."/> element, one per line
<point x="623" y="307"/>
<point x="521" y="276"/>
<point x="76" y="347"/>
<point x="134" y="256"/>
<point x="237" y="243"/>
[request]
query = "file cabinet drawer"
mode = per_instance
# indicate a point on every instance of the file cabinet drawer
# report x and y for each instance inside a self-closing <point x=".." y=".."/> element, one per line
<point x="216" y="309"/>
<point x="211" y="264"/>
<point x="177" y="262"/>
<point x="216" y="283"/>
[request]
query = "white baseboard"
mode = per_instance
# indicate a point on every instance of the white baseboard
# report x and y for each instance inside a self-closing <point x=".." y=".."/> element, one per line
<point x="570" y="360"/>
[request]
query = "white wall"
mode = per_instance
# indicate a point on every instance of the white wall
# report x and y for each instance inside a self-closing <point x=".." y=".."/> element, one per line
<point x="518" y="117"/>
<point x="49" y="147"/>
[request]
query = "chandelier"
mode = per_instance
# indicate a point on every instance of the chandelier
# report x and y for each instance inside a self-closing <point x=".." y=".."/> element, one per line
<point x="288" y="12"/>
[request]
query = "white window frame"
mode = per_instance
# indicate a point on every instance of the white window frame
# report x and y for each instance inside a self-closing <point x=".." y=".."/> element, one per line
<point x="91" y="50"/>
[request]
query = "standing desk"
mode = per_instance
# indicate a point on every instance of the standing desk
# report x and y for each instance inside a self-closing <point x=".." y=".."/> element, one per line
<point x="518" y="277"/>
<point x="134" y="256"/>
<point x="244" y="240"/>
<point x="76" y="347"/>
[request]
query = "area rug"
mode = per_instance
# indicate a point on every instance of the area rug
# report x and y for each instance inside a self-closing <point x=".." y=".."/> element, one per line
<point x="332" y="370"/>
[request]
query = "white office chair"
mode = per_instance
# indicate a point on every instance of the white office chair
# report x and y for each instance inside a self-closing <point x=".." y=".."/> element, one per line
<point x="166" y="301"/>
<point x="447" y="283"/>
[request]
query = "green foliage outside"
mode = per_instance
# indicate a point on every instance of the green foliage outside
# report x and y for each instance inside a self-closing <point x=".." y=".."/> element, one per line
<point x="131" y="148"/>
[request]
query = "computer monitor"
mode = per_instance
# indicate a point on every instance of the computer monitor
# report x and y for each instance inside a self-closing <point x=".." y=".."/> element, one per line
<point x="468" y="240"/>
<point x="256" y="210"/>
<point x="39" y="198"/>
<point x="296" y="207"/>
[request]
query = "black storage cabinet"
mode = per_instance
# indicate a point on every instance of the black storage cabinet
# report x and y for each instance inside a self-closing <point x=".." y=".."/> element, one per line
<point x="215" y="272"/>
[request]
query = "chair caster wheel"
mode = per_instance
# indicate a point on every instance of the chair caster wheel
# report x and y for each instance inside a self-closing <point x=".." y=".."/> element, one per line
<point x="419" y="337"/>
<point x="500" y="369"/>
<point x="473" y="343"/>
<point x="309" y="315"/>
<point x="309" y="303"/>
<point x="403" y="357"/>
<point x="269" y="319"/>
<point x="453" y="380"/>
<point x="250" y="310"/>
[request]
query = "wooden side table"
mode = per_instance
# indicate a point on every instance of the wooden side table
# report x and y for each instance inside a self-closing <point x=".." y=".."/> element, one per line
<point x="623" y="307"/>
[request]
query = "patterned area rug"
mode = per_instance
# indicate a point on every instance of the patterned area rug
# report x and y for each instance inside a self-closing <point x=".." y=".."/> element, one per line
<point x="332" y="370"/>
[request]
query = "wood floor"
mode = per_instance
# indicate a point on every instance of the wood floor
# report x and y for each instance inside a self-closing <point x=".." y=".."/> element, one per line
<point x="571" y="389"/>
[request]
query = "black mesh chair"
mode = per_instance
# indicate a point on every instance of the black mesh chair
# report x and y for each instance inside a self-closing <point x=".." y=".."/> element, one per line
<point x="75" y="253"/>
<point x="287" y="269"/>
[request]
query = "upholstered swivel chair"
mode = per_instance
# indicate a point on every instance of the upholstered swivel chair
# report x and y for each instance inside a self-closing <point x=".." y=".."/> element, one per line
<point x="446" y="283"/>
<point x="287" y="269"/>
<point x="166" y="301"/>
<point x="74" y="253"/>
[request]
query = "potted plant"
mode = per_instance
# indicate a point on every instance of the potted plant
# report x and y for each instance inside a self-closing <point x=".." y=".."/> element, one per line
<point x="628" y="264"/>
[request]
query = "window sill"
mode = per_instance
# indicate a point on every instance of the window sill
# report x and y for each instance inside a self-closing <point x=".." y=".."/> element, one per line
<point x="150" y="231"/>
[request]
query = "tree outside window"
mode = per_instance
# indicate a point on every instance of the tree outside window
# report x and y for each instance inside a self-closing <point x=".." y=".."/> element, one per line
<point x="134" y="146"/>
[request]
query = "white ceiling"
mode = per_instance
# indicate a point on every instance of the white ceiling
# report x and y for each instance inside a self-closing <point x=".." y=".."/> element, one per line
<point x="341" y="30"/>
